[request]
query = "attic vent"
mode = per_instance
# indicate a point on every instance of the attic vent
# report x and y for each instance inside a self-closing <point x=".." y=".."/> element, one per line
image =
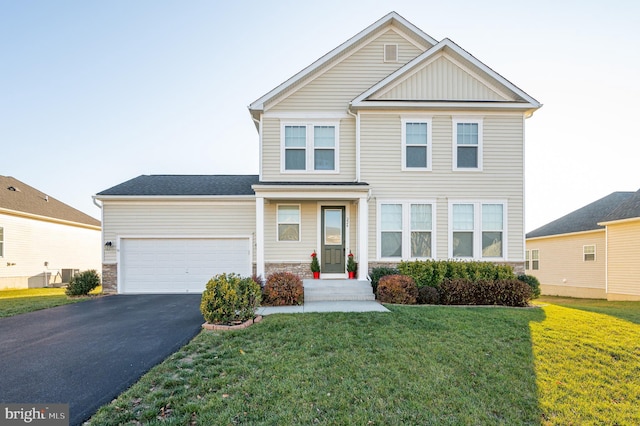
<point x="13" y="188"/>
<point x="390" y="53"/>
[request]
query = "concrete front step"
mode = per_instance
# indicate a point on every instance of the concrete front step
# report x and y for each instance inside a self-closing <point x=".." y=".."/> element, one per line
<point x="337" y="290"/>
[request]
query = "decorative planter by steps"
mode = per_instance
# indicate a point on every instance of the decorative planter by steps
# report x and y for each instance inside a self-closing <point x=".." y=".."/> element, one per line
<point x="239" y="326"/>
<point x="352" y="275"/>
<point x="316" y="275"/>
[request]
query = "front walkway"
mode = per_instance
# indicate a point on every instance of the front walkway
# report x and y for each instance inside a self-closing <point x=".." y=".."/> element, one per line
<point x="324" y="306"/>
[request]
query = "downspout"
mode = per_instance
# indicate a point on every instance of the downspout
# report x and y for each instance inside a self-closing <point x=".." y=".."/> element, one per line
<point x="259" y="125"/>
<point x="95" y="202"/>
<point x="357" y="117"/>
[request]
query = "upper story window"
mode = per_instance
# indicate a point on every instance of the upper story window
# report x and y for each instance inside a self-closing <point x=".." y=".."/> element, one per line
<point x="589" y="253"/>
<point x="467" y="144"/>
<point x="310" y="147"/>
<point x="405" y="230"/>
<point x="477" y="230"/>
<point x="416" y="144"/>
<point x="288" y="222"/>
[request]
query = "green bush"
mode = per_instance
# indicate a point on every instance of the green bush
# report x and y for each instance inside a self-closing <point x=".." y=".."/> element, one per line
<point x="433" y="273"/>
<point x="428" y="295"/>
<point x="81" y="284"/>
<point x="532" y="282"/>
<point x="503" y="292"/>
<point x="397" y="289"/>
<point x="377" y="273"/>
<point x="283" y="288"/>
<point x="229" y="298"/>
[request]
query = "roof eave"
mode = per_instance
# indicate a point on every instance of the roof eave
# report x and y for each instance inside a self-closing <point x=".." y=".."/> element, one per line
<point x="619" y="221"/>
<point x="173" y="197"/>
<point x="50" y="219"/>
<point x="566" y="234"/>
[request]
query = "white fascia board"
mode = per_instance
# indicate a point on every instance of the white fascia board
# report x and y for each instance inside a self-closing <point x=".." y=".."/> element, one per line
<point x="359" y="100"/>
<point x="619" y="221"/>
<point x="48" y="219"/>
<point x="436" y="105"/>
<point x="311" y="192"/>
<point x="175" y="197"/>
<point x="568" y="234"/>
<point x="258" y="105"/>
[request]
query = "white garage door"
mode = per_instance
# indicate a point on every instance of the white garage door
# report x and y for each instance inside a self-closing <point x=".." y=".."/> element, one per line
<point x="181" y="265"/>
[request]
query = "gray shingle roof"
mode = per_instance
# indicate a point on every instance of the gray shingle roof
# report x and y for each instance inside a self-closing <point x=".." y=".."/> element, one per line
<point x="18" y="196"/>
<point x="185" y="185"/>
<point x="627" y="209"/>
<point x="585" y="218"/>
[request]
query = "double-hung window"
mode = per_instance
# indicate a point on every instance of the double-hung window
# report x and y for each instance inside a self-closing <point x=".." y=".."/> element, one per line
<point x="416" y="144"/>
<point x="1" y="242"/>
<point x="589" y="253"/>
<point x="467" y="144"/>
<point x="288" y="218"/>
<point x="477" y="230"/>
<point x="535" y="259"/>
<point x="405" y="230"/>
<point x="527" y="259"/>
<point x="310" y="147"/>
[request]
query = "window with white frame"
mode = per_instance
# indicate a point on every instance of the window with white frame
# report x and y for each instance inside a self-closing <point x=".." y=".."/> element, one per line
<point x="477" y="230"/>
<point x="467" y="144"/>
<point x="1" y="242"/>
<point x="589" y="253"/>
<point x="288" y="218"/>
<point x="310" y="147"/>
<point x="535" y="259"/>
<point x="527" y="259"/>
<point x="406" y="230"/>
<point x="416" y="144"/>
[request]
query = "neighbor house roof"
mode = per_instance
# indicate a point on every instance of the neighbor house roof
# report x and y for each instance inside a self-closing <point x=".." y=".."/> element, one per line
<point x="18" y="197"/>
<point x="585" y="218"/>
<point x="628" y="209"/>
<point x="185" y="185"/>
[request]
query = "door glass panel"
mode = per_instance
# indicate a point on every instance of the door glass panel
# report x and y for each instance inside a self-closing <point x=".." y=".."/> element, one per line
<point x="332" y="227"/>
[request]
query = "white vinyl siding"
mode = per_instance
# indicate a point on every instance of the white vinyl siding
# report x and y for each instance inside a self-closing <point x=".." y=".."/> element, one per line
<point x="406" y="229"/>
<point x="288" y="222"/>
<point x="416" y="144"/>
<point x="623" y="252"/>
<point x="467" y="144"/>
<point x="477" y="230"/>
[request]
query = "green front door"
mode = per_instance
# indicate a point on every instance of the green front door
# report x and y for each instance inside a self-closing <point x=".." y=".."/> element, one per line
<point x="333" y="247"/>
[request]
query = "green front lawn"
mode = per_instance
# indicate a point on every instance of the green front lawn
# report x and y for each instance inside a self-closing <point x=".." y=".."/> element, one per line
<point x="13" y="302"/>
<point x="415" y="365"/>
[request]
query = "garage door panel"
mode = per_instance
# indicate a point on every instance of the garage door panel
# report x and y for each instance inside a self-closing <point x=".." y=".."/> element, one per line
<point x="180" y="265"/>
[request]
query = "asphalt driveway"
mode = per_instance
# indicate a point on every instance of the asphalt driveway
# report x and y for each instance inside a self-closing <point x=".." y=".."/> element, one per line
<point x="87" y="353"/>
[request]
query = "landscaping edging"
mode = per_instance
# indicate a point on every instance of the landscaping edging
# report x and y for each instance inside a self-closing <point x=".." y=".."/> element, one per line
<point x="247" y="323"/>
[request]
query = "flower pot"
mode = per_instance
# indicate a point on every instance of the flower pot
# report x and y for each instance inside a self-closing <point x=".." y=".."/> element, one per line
<point x="352" y="275"/>
<point x="316" y="275"/>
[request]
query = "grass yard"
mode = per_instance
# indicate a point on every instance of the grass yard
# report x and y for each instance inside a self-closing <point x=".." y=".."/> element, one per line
<point x="14" y="302"/>
<point x="556" y="365"/>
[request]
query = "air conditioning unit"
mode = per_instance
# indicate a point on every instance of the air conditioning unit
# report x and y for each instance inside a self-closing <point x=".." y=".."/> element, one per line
<point x="67" y="274"/>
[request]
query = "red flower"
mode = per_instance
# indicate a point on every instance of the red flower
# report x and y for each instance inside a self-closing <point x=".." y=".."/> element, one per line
<point x="350" y="254"/>
<point x="313" y="254"/>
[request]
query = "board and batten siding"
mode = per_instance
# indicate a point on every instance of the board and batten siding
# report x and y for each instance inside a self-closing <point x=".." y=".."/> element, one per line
<point x="623" y="257"/>
<point x="29" y="243"/>
<point x="176" y="218"/>
<point x="501" y="178"/>
<point x="272" y="152"/>
<point x="337" y="85"/>
<point x="562" y="269"/>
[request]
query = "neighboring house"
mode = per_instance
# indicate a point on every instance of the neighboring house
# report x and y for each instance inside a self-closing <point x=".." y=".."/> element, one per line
<point x="42" y="240"/>
<point x="592" y="252"/>
<point x="392" y="146"/>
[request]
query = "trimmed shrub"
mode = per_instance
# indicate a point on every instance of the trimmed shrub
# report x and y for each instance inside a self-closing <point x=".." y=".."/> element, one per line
<point x="532" y="282"/>
<point x="504" y="292"/>
<point x="229" y="298"/>
<point x="434" y="272"/>
<point x="377" y="273"/>
<point x="428" y="295"/>
<point x="81" y="284"/>
<point x="283" y="288"/>
<point x="397" y="289"/>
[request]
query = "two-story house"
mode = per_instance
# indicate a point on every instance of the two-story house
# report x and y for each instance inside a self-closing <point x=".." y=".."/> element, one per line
<point x="392" y="146"/>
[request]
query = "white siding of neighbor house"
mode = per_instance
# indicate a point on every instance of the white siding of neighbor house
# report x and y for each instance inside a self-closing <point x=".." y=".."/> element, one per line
<point x="441" y="79"/>
<point x="623" y="257"/>
<point x="300" y="251"/>
<point x="501" y="178"/>
<point x="176" y="218"/>
<point x="562" y="269"/>
<point x="29" y="243"/>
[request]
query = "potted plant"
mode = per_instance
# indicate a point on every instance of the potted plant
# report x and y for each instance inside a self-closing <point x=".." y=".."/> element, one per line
<point x="315" y="265"/>
<point x="352" y="266"/>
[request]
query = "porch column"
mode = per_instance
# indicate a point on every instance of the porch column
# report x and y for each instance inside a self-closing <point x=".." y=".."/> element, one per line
<point x="363" y="234"/>
<point x="260" y="236"/>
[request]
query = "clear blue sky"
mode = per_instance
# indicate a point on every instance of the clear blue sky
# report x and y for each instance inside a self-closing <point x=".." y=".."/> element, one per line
<point x="93" y="93"/>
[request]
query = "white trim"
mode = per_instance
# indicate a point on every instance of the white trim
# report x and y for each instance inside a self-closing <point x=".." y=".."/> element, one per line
<point x="119" y="239"/>
<point x="310" y="146"/>
<point x="299" y="206"/>
<point x="444" y="105"/>
<point x="260" y="147"/>
<point x="584" y="246"/>
<point x="418" y="119"/>
<point x="467" y="120"/>
<point x="358" y="148"/>
<point x="181" y="198"/>
<point x="406" y="228"/>
<point x="363" y="238"/>
<point x="260" y="268"/>
<point x="606" y="260"/>
<point x="346" y="230"/>
<point x="542" y="237"/>
<point x="306" y="116"/>
<point x="477" y="228"/>
<point x="384" y="53"/>
<point x="17" y="213"/>
<point x="538" y="259"/>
